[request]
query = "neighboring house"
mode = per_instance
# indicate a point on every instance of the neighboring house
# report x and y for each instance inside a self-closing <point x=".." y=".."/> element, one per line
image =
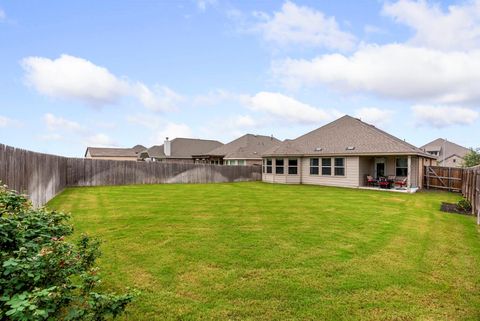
<point x="179" y="150"/>
<point x="343" y="153"/>
<point x="448" y="154"/>
<point x="246" y="150"/>
<point x="130" y="154"/>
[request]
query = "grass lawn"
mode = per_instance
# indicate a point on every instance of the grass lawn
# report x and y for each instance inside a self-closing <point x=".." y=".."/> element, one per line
<point x="275" y="252"/>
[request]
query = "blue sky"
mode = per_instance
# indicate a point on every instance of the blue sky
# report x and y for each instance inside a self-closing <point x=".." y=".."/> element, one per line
<point x="119" y="73"/>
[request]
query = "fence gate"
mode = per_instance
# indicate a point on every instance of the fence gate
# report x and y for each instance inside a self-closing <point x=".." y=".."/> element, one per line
<point x="446" y="178"/>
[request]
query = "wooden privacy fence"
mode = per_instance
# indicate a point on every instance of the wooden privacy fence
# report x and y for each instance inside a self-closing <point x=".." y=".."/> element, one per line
<point x="464" y="180"/>
<point x="446" y="178"/>
<point x="471" y="189"/>
<point x="43" y="176"/>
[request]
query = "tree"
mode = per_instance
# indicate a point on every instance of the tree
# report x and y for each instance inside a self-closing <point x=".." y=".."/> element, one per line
<point x="472" y="158"/>
<point x="44" y="276"/>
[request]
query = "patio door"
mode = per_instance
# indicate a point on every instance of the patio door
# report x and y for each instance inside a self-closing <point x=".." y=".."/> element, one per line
<point x="379" y="167"/>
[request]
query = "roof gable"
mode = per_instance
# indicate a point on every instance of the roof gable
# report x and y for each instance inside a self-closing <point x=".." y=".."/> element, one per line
<point x="184" y="148"/>
<point x="446" y="147"/>
<point x="344" y="136"/>
<point x="247" y="146"/>
<point x="110" y="152"/>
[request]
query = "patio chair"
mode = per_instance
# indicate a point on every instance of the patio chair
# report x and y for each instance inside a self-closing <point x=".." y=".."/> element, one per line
<point x="402" y="183"/>
<point x="371" y="181"/>
<point x="391" y="178"/>
<point x="383" y="183"/>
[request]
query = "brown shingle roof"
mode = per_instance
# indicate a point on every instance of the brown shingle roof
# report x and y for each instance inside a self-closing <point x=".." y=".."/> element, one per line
<point x="445" y="147"/>
<point x="184" y="148"/>
<point x="248" y="146"/>
<point x="346" y="136"/>
<point x="138" y="148"/>
<point x="110" y="152"/>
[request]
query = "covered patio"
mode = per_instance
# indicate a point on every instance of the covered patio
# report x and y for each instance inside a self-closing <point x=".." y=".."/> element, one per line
<point x="390" y="172"/>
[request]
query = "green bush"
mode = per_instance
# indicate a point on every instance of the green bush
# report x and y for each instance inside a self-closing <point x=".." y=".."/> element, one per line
<point x="42" y="276"/>
<point x="472" y="158"/>
<point x="464" y="205"/>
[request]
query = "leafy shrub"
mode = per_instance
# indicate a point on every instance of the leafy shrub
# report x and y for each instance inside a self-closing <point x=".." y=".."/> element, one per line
<point x="472" y="158"/>
<point x="42" y="276"/>
<point x="464" y="205"/>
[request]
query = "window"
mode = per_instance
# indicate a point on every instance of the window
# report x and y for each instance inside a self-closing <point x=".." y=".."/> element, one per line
<point x="326" y="166"/>
<point x="279" y="166"/>
<point x="401" y="166"/>
<point x="339" y="166"/>
<point x="314" y="166"/>
<point x="241" y="162"/>
<point x="292" y="166"/>
<point x="269" y="165"/>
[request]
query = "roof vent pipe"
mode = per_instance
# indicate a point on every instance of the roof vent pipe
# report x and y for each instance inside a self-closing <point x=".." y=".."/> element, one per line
<point x="167" y="148"/>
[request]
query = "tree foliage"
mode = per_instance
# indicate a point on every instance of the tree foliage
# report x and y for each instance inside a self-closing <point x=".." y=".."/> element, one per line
<point x="42" y="275"/>
<point x="472" y="158"/>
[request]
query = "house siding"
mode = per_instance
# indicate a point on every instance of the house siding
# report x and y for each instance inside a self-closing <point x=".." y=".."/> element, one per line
<point x="365" y="168"/>
<point x="351" y="178"/>
<point x="113" y="158"/>
<point x="356" y="170"/>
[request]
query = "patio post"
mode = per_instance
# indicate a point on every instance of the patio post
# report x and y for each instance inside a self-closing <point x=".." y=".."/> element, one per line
<point x="409" y="172"/>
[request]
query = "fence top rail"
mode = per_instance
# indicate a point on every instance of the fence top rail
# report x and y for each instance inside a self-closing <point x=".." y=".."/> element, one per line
<point x="3" y="146"/>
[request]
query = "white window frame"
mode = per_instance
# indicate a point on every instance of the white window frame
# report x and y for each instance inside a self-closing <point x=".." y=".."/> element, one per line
<point x="335" y="166"/>
<point x="322" y="166"/>
<point x="317" y="166"/>
<point x="397" y="167"/>
<point x="271" y="165"/>
<point x="283" y="166"/>
<point x="289" y="166"/>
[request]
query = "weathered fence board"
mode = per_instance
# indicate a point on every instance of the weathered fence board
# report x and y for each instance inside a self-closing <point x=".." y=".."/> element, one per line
<point x="43" y="176"/>
<point x="446" y="178"/>
<point x="471" y="188"/>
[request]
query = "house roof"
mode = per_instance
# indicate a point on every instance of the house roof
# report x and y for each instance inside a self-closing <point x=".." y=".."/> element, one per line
<point x="138" y="148"/>
<point x="248" y="146"/>
<point x="184" y="148"/>
<point x="110" y="152"/>
<point x="346" y="136"/>
<point x="445" y="148"/>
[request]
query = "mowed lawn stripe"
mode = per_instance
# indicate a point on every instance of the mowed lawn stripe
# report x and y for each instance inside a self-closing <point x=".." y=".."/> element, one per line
<point x="255" y="251"/>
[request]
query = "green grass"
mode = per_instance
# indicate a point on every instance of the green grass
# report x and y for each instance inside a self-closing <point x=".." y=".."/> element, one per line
<point x="258" y="251"/>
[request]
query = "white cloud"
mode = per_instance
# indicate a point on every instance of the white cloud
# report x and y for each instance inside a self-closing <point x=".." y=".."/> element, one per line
<point x="203" y="4"/>
<point x="8" y="122"/>
<point x="52" y="137"/>
<point x="59" y="123"/>
<point x="79" y="79"/>
<point x="218" y="96"/>
<point x="370" y="29"/>
<point x="148" y="121"/>
<point x="243" y="121"/>
<point x="99" y="140"/>
<point x="301" y="25"/>
<point x="288" y="109"/>
<point x="162" y="99"/>
<point x="375" y="116"/>
<point x="5" y="121"/>
<point x="3" y="15"/>
<point x="456" y="29"/>
<point x="394" y="70"/>
<point x="443" y="116"/>
<point x="172" y="130"/>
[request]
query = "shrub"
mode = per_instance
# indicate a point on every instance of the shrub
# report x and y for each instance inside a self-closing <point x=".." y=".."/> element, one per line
<point x="472" y="158"/>
<point x="464" y="205"/>
<point x="42" y="275"/>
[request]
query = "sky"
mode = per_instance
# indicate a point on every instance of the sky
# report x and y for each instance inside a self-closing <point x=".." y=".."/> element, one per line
<point x="119" y="73"/>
